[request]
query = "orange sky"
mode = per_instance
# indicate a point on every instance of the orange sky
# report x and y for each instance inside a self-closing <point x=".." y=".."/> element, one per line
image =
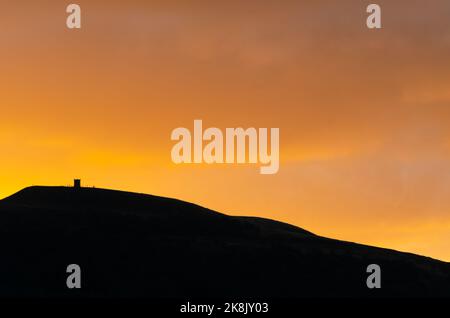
<point x="364" y="115"/>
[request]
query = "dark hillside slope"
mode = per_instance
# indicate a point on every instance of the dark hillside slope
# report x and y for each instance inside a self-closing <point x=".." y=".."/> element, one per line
<point x="137" y="245"/>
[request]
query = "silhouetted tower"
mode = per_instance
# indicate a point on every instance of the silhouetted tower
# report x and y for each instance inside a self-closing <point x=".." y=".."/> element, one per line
<point x="77" y="183"/>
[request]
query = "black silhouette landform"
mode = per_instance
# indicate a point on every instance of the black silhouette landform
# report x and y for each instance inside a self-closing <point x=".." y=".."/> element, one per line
<point x="141" y="246"/>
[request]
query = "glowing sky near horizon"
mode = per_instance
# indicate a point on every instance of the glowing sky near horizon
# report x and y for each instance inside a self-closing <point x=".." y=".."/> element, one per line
<point x="364" y="115"/>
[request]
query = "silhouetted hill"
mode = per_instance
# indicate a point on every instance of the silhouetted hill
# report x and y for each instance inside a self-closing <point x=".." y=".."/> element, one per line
<point x="137" y="245"/>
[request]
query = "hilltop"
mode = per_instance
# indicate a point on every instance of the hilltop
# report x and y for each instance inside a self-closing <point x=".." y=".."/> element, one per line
<point x="140" y="246"/>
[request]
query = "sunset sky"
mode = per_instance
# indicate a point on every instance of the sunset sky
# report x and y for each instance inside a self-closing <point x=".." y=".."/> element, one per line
<point x="364" y="115"/>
